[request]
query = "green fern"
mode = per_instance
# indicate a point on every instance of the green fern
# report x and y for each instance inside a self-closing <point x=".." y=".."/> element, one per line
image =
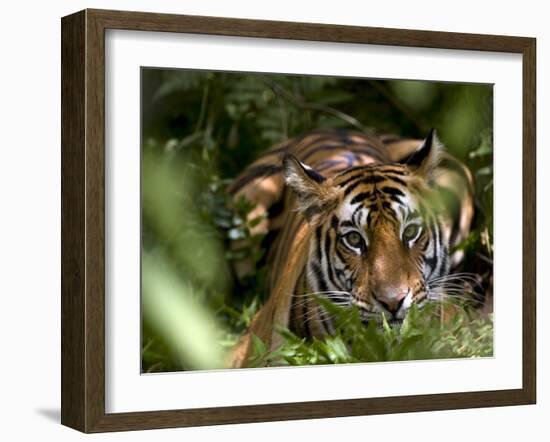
<point x="422" y="336"/>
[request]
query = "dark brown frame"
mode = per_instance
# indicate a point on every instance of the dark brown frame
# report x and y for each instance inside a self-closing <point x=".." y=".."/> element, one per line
<point x="83" y="216"/>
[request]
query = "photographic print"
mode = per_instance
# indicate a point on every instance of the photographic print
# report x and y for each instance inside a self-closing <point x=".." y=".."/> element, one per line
<point x="299" y="220"/>
<point x="264" y="203"/>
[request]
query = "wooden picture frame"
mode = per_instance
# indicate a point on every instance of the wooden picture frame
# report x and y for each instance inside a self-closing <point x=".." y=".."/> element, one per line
<point x="83" y="220"/>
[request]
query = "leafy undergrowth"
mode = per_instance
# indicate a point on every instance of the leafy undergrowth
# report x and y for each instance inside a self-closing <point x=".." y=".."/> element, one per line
<point x="422" y="335"/>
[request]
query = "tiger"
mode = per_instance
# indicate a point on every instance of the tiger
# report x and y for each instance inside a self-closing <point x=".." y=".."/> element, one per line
<point x="370" y="221"/>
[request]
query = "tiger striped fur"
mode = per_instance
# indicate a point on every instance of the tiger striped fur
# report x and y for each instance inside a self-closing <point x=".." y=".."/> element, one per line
<point x="363" y="220"/>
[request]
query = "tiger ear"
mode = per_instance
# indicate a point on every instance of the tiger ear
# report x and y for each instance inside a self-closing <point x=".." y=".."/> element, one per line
<point x="424" y="160"/>
<point x="314" y="192"/>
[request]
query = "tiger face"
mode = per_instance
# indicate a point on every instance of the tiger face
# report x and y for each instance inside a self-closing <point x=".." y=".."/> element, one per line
<point x="377" y="239"/>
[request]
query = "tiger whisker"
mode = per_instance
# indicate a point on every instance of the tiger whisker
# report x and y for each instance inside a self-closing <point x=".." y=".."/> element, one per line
<point x="440" y="296"/>
<point x="453" y="280"/>
<point x="342" y="302"/>
<point x="330" y="292"/>
<point x="458" y="274"/>
<point x="452" y="289"/>
<point x="471" y="278"/>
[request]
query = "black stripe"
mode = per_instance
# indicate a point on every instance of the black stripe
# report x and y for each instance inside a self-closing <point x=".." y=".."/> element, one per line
<point x="317" y="271"/>
<point x="373" y="179"/>
<point x="388" y="208"/>
<point x="328" y="260"/>
<point x="351" y="188"/>
<point x="430" y="263"/>
<point x="370" y="179"/>
<point x="334" y="223"/>
<point x="340" y="257"/>
<point x="318" y="243"/>
<point x="392" y="170"/>
<point x="350" y="179"/>
<point x="262" y="170"/>
<point x="360" y="197"/>
<point x="425" y="245"/>
<point x="396" y="179"/>
<point x="392" y="191"/>
<point x="381" y="168"/>
<point x="435" y="242"/>
<point x="358" y="179"/>
<point x="396" y="199"/>
<point x="391" y="174"/>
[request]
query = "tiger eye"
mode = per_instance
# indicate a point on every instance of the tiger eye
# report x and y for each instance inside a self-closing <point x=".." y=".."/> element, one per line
<point x="411" y="232"/>
<point x="354" y="239"/>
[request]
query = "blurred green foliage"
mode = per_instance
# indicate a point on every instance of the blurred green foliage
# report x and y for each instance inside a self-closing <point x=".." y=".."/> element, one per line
<point x="201" y="129"/>
<point x="421" y="336"/>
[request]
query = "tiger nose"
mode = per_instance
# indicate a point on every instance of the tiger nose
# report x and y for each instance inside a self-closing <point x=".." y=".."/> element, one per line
<point x="392" y="300"/>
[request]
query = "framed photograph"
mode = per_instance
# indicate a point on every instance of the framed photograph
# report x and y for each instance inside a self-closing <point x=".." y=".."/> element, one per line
<point x="268" y="221"/>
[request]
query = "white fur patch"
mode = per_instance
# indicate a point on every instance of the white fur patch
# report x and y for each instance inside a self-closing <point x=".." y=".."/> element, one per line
<point x="407" y="302"/>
